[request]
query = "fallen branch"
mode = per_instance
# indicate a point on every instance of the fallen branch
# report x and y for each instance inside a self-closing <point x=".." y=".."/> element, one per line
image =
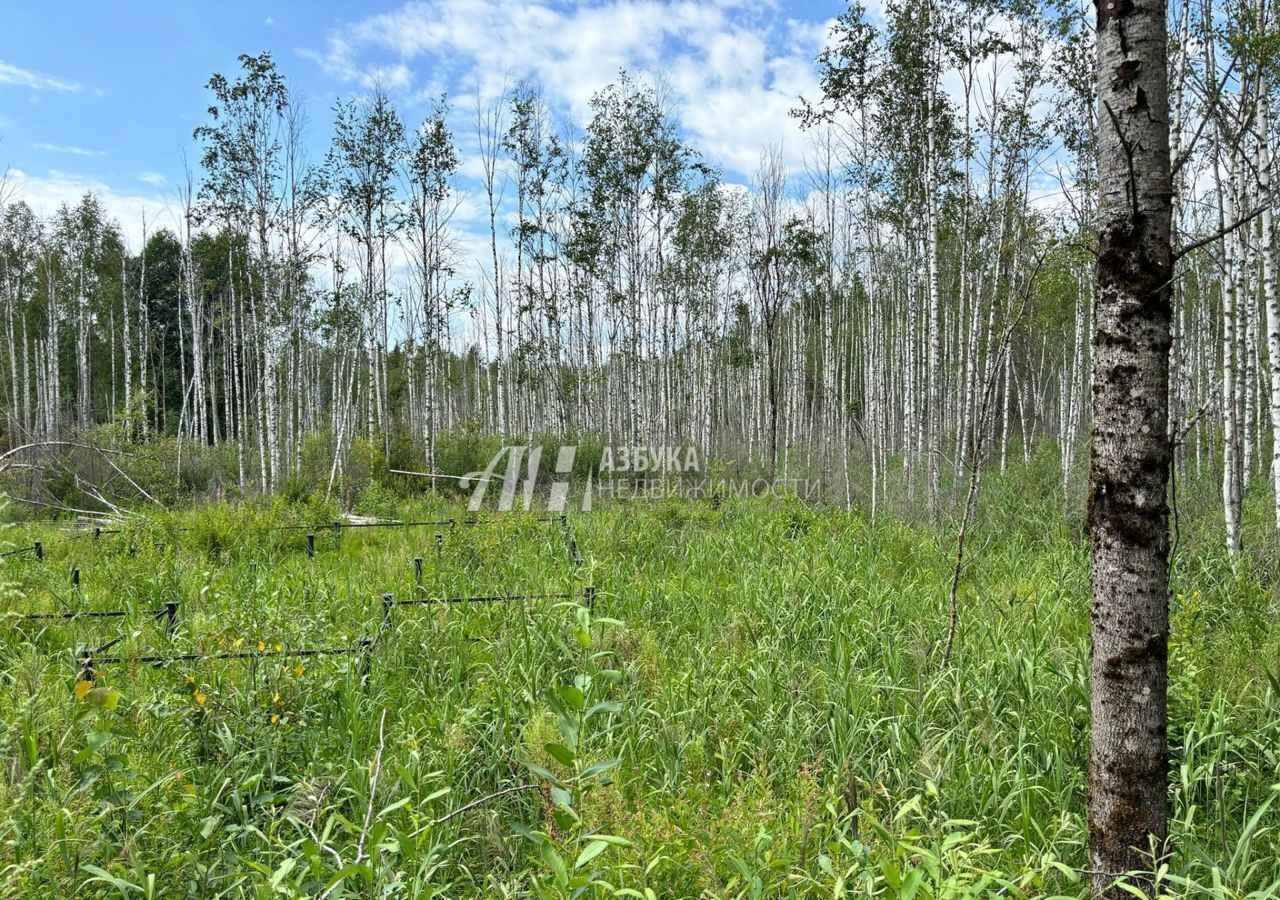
<point x="1181" y="437"/>
<point x="465" y="478"/>
<point x="94" y="515"/>
<point x="137" y="487"/>
<point x="977" y="457"/>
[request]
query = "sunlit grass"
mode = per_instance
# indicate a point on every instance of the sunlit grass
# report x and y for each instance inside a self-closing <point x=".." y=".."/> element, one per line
<point x="770" y="683"/>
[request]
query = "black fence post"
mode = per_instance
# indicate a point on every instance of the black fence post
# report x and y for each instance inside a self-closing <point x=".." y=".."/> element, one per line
<point x="417" y="570"/>
<point x="366" y="657"/>
<point x="311" y="546"/>
<point x="39" y="548"/>
<point x="337" y="533"/>
<point x="589" y="595"/>
<point x="388" y="600"/>
<point x="86" y="672"/>
<point x="75" y="578"/>
<point x="171" y="613"/>
<point x="97" y="533"/>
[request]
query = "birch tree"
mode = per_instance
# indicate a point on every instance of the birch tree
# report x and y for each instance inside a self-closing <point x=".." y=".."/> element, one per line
<point x="1128" y="508"/>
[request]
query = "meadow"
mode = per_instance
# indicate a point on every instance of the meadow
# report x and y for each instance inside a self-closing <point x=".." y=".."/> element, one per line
<point x="752" y="704"/>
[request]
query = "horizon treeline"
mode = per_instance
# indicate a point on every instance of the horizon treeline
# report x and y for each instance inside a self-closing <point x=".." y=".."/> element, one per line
<point x="913" y="306"/>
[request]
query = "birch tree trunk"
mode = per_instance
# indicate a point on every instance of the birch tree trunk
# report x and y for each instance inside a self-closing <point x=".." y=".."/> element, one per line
<point x="1128" y="511"/>
<point x="1268" y="249"/>
<point x="1230" y="373"/>
<point x="144" y="333"/>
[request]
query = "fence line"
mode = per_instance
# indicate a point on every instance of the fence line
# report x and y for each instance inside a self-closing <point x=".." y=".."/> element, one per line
<point x="88" y="662"/>
<point x="37" y="548"/>
<point x="481" y="598"/>
<point x="170" y="609"/>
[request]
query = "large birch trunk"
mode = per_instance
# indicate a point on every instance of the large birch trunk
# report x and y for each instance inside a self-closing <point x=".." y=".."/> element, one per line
<point x="1128" y="511"/>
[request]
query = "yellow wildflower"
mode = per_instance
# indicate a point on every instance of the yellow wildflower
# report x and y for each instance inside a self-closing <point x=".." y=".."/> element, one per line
<point x="82" y="688"/>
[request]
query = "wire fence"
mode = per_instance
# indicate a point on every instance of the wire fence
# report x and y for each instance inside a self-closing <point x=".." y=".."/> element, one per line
<point x="37" y="549"/>
<point x="87" y="661"/>
<point x="169" y="611"/>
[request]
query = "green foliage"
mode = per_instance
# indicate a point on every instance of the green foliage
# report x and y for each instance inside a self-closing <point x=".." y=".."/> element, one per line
<point x="463" y="451"/>
<point x="752" y="707"/>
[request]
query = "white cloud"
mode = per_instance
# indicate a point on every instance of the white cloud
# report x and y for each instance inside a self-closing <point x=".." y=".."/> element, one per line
<point x="155" y="178"/>
<point x="269" y="21"/>
<point x="737" y="70"/>
<point x="74" y="151"/>
<point x="397" y="77"/>
<point x="11" y="74"/>
<point x="45" y="193"/>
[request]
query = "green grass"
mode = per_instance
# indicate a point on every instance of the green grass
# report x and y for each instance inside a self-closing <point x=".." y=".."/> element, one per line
<point x="767" y="679"/>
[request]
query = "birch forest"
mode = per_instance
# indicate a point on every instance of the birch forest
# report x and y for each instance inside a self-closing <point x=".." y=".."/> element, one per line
<point x="914" y="305"/>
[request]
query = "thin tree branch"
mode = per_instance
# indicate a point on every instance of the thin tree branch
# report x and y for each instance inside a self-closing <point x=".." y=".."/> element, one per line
<point x="1221" y="232"/>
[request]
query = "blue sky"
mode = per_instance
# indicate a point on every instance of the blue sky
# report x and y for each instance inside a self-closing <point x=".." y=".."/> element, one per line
<point x="104" y="96"/>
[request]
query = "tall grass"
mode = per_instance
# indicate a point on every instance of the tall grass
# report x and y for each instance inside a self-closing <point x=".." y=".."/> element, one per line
<point x="753" y="707"/>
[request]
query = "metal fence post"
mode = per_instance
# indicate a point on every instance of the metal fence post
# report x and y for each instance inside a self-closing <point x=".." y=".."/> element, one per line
<point x="86" y="670"/>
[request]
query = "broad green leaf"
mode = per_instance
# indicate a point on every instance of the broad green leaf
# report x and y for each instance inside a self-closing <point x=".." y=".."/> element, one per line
<point x="562" y="754"/>
<point x="572" y="696"/>
<point x="612" y="839"/>
<point x="590" y="852"/>
<point x="103" y="698"/>
<point x="603" y="766"/>
<point x="603" y="707"/>
<point x="539" y="772"/>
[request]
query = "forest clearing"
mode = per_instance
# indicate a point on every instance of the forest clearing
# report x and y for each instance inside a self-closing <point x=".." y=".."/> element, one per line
<point x="640" y="448"/>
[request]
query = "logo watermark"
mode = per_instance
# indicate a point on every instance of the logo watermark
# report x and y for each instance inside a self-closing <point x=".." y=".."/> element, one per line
<point x="625" y="472"/>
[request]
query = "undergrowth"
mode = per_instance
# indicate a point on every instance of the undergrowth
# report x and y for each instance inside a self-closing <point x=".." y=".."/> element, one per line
<point x="753" y="705"/>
